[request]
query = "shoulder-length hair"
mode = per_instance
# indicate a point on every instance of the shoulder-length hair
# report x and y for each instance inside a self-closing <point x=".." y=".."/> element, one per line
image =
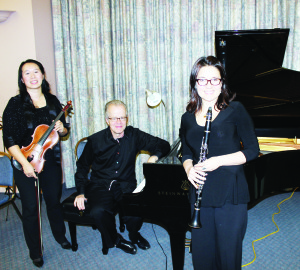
<point x="25" y="97"/>
<point x="225" y="96"/>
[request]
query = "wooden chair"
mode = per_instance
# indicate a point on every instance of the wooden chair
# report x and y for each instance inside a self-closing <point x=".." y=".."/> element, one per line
<point x="76" y="217"/>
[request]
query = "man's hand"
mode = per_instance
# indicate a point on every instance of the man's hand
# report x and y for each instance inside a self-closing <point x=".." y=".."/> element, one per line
<point x="152" y="159"/>
<point x="79" y="202"/>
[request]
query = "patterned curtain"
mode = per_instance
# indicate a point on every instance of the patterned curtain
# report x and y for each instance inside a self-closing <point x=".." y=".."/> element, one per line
<point x="116" y="49"/>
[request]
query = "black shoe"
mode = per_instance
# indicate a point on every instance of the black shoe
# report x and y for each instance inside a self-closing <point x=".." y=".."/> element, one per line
<point x="104" y="251"/>
<point x="38" y="262"/>
<point x="66" y="245"/>
<point x="141" y="242"/>
<point x="125" y="245"/>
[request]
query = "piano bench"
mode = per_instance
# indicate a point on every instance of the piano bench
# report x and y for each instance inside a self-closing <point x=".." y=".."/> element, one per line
<point x="76" y="217"/>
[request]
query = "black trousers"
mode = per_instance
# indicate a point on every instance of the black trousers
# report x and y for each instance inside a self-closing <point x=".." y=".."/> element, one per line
<point x="50" y="180"/>
<point x="103" y="208"/>
<point x="218" y="244"/>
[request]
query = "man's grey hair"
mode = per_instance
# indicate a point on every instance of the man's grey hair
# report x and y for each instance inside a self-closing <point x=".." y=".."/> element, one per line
<point x="114" y="102"/>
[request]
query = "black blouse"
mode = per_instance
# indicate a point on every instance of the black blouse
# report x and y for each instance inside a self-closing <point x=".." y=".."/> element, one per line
<point x="19" y="124"/>
<point x="231" y="127"/>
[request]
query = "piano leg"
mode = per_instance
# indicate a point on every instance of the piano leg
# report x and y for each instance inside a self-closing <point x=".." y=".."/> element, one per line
<point x="177" y="240"/>
<point x="72" y="229"/>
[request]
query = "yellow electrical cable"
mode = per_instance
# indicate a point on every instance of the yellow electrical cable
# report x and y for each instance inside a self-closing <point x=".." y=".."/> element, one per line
<point x="272" y="232"/>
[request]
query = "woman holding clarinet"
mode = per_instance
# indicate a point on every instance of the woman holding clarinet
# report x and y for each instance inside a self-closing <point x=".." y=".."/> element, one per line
<point x="23" y="115"/>
<point x="217" y="242"/>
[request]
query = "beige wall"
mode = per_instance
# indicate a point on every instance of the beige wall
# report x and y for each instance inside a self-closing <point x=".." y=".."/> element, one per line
<point x="26" y="34"/>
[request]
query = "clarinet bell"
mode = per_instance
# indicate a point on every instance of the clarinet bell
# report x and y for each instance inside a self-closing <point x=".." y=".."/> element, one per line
<point x="195" y="221"/>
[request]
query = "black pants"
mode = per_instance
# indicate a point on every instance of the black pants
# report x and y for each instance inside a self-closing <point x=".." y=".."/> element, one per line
<point x="51" y="185"/>
<point x="104" y="206"/>
<point x="218" y="244"/>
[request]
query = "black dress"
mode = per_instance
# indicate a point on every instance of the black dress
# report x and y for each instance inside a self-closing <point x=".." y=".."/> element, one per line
<point x="18" y="126"/>
<point x="223" y="214"/>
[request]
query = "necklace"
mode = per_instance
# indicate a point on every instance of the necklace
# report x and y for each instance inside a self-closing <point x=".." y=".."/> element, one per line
<point x="204" y="115"/>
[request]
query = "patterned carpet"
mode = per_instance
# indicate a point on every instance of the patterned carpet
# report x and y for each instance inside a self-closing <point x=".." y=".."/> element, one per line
<point x="278" y="251"/>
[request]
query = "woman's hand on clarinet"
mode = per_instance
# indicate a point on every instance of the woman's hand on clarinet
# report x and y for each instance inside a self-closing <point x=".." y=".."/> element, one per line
<point x="197" y="175"/>
<point x="210" y="164"/>
<point x="79" y="202"/>
<point x="29" y="170"/>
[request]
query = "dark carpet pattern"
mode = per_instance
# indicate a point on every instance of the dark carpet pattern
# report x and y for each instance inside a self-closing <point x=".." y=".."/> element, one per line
<point x="278" y="251"/>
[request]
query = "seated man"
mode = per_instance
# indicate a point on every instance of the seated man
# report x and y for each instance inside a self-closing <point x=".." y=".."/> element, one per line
<point x="111" y="154"/>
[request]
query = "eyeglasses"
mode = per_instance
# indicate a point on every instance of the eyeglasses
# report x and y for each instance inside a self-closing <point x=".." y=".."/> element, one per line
<point x="115" y="119"/>
<point x="203" y="82"/>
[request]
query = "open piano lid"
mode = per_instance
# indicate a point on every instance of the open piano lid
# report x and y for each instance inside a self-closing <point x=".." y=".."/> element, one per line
<point x="253" y="62"/>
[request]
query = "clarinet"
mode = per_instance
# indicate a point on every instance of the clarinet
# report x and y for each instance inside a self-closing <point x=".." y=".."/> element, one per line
<point x="195" y="221"/>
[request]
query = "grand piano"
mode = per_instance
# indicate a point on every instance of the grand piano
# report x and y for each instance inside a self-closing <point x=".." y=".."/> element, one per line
<point x="253" y="62"/>
<point x="271" y="94"/>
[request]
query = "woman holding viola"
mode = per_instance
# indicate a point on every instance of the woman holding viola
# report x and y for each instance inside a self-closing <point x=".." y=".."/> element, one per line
<point x="32" y="107"/>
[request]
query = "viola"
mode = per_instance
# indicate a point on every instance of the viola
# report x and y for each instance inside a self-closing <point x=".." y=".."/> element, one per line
<point x="44" y="137"/>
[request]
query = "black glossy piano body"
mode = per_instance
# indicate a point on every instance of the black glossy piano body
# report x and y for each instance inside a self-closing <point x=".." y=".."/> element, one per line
<point x="271" y="94"/>
<point x="164" y="201"/>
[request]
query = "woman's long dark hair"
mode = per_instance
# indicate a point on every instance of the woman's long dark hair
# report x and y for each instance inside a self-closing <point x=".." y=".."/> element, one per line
<point x="225" y="96"/>
<point x="25" y="97"/>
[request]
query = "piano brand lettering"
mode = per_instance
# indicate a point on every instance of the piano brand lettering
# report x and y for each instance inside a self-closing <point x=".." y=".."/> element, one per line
<point x="171" y="193"/>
